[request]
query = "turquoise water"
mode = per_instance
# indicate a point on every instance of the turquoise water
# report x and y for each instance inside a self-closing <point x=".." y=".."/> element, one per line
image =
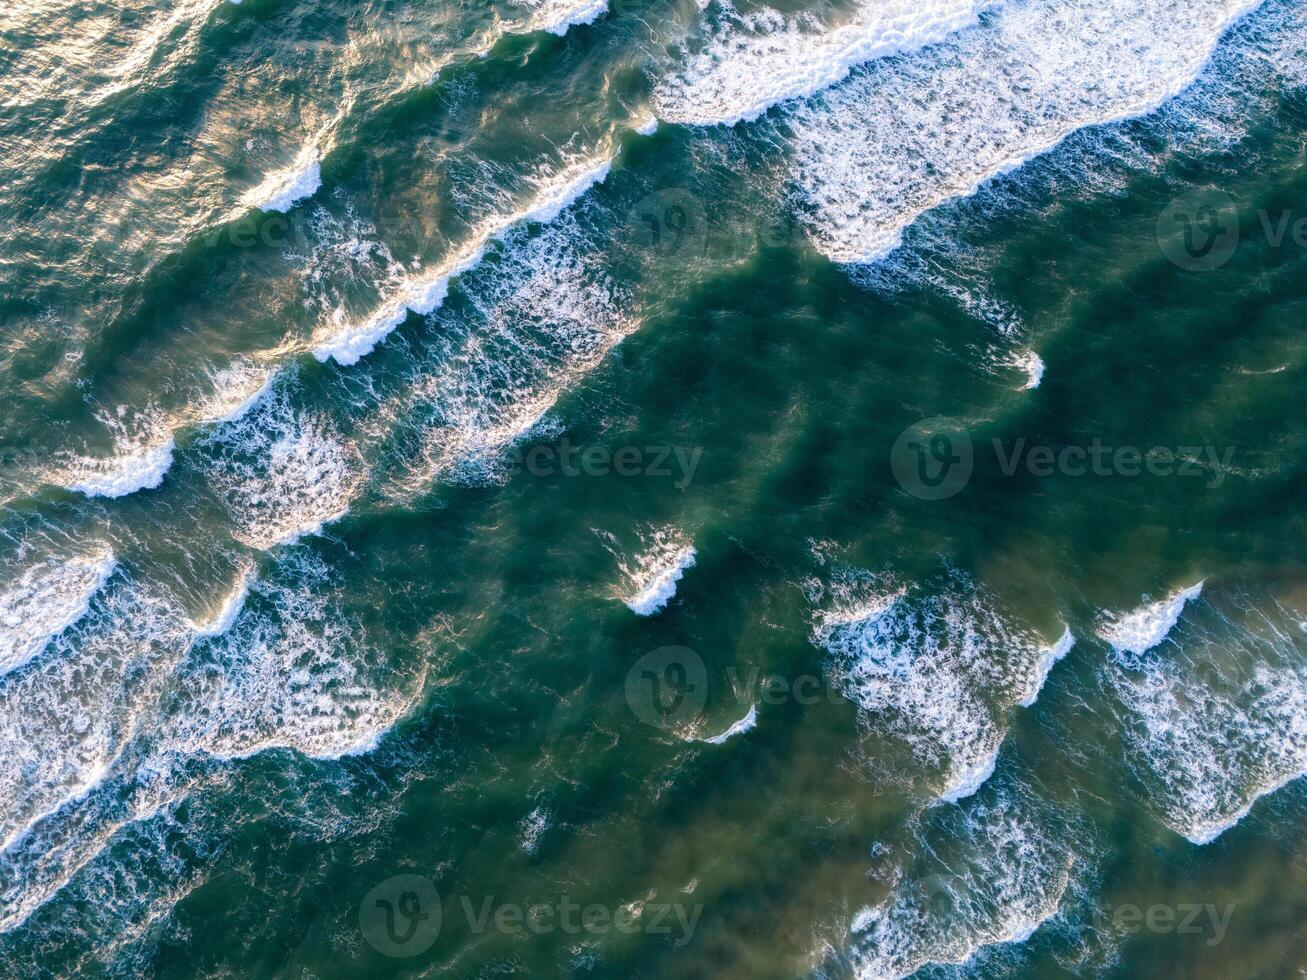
<point x="652" y="490"/>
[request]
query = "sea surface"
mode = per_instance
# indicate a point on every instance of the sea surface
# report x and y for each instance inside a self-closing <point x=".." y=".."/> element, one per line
<point x="653" y="488"/>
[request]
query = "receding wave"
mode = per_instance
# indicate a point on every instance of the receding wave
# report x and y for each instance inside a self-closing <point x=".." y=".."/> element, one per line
<point x="936" y="668"/>
<point x="909" y="132"/>
<point x="1217" y="717"/>
<point x="46" y="598"/>
<point x="282" y="471"/>
<point x="1001" y="870"/>
<point x="755" y="60"/>
<point x="424" y="294"/>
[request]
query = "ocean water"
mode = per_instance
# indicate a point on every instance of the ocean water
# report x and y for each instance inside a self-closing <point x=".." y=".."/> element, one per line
<point x="653" y="488"/>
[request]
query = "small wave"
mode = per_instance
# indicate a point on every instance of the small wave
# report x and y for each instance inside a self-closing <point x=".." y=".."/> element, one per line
<point x="45" y="600"/>
<point x="142" y="455"/>
<point x="995" y="876"/>
<point x="68" y="717"/>
<point x="222" y="618"/>
<point x="1147" y="626"/>
<point x="650" y="576"/>
<point x="44" y="859"/>
<point x="295" y="672"/>
<point x="533" y="828"/>
<point x="120" y="724"/>
<point x="872" y="154"/>
<point x="1033" y="366"/>
<point x="539" y="317"/>
<point x="1219" y="719"/>
<point x="757" y="60"/>
<point x="283" y="472"/>
<point x="745" y="724"/>
<point x="280" y="191"/>
<point x="235" y="390"/>
<point x="559" y="16"/>
<point x="422" y="296"/>
<point x="937" y="669"/>
<point x="1047" y="660"/>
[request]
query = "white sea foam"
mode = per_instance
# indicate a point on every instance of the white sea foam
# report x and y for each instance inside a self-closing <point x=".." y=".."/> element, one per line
<point x="907" y="133"/>
<point x="745" y="724"/>
<point x="224" y="615"/>
<point x="1219" y="718"/>
<point x="45" y="599"/>
<point x="1147" y="626"/>
<point x="936" y="670"/>
<point x="533" y="828"/>
<point x="46" y="858"/>
<point x="558" y="16"/>
<point x="294" y="672"/>
<point x="142" y="455"/>
<point x="650" y="576"/>
<point x="235" y="390"/>
<point x="996" y="875"/>
<point x="68" y="716"/>
<point x="1033" y="365"/>
<point x="422" y="295"/>
<point x="537" y="318"/>
<point x="1049" y="657"/>
<point x="758" y="59"/>
<point x="104" y="734"/>
<point x="280" y="191"/>
<point x="282" y="471"/>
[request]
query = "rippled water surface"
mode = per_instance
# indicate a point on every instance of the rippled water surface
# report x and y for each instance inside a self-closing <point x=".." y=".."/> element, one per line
<point x="653" y="489"/>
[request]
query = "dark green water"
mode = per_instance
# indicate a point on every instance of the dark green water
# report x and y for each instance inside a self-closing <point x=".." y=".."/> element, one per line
<point x="454" y="527"/>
